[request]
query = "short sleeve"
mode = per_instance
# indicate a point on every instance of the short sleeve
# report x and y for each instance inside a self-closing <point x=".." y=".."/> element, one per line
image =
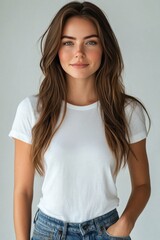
<point x="23" y="122"/>
<point x="136" y="122"/>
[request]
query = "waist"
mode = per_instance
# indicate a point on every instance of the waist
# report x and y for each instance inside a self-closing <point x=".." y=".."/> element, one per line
<point x="82" y="227"/>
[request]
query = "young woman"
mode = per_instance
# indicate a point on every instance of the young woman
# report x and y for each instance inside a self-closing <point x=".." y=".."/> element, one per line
<point x="78" y="132"/>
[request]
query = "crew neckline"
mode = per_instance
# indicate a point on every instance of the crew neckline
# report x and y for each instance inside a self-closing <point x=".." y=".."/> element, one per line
<point x="82" y="108"/>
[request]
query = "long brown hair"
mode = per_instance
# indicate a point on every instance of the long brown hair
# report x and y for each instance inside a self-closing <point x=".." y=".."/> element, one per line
<point x="109" y="86"/>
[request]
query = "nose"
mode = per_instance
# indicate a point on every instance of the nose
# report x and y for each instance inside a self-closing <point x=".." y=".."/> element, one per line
<point x="79" y="52"/>
<point x="79" y="55"/>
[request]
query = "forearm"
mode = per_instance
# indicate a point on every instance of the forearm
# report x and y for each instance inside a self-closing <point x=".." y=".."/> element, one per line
<point x="137" y="201"/>
<point x="22" y="216"/>
<point x="135" y="205"/>
<point x="140" y="181"/>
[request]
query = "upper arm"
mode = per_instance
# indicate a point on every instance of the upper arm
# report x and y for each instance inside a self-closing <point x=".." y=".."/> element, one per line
<point x="23" y="168"/>
<point x="138" y="164"/>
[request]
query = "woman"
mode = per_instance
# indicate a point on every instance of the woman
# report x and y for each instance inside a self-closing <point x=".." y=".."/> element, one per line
<point x="78" y="132"/>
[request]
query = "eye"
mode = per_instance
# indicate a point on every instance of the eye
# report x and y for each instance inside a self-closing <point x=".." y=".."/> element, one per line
<point x="91" y="43"/>
<point x="68" y="43"/>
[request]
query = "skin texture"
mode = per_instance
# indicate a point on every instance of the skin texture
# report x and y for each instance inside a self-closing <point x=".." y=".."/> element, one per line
<point x="23" y="189"/>
<point x="87" y="53"/>
<point x="140" y="181"/>
<point x="80" y="57"/>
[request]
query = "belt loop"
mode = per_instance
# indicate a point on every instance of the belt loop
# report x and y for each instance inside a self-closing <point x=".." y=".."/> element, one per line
<point x="64" y="231"/>
<point x="36" y="216"/>
<point x="98" y="226"/>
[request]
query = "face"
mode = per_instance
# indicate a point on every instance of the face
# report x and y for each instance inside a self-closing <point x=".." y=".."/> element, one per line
<point x="80" y="52"/>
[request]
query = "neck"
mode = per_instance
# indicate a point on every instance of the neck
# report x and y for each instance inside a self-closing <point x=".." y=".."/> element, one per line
<point x="81" y="91"/>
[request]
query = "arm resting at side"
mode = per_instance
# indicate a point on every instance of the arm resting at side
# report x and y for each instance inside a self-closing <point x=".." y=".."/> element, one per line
<point x="140" y="181"/>
<point x="23" y="190"/>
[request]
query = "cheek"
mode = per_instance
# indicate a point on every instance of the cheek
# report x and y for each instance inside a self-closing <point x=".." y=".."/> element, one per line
<point x="96" y="56"/>
<point x="64" y="55"/>
<point x="60" y="55"/>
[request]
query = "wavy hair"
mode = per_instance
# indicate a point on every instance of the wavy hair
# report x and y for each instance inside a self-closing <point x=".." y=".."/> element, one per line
<point x="108" y="83"/>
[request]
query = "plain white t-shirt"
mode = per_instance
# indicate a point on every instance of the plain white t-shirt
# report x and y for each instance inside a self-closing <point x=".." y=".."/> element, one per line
<point x="79" y="183"/>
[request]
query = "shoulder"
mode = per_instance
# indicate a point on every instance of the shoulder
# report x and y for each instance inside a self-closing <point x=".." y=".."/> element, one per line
<point x="135" y="118"/>
<point x="27" y="109"/>
<point x="25" y="119"/>
<point x="134" y="109"/>
<point x="28" y="105"/>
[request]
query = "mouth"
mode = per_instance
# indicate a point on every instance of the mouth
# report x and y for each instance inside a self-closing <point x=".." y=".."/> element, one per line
<point x="79" y="65"/>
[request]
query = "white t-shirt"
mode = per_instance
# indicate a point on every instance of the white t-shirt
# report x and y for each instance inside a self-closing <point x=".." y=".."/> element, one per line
<point x="79" y="183"/>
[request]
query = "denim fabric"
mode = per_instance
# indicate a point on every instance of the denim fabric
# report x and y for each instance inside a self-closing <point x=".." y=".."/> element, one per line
<point x="48" y="228"/>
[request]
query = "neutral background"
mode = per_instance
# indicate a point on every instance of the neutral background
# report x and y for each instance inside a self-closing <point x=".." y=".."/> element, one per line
<point x="137" y="27"/>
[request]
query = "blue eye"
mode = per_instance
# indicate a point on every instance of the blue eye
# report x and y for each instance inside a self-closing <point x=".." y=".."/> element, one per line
<point x="91" y="43"/>
<point x="67" y="43"/>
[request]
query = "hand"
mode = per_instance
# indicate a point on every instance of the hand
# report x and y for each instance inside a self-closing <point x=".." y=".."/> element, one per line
<point x="121" y="228"/>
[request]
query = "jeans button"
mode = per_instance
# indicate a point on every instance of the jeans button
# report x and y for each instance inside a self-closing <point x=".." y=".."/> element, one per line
<point x="85" y="227"/>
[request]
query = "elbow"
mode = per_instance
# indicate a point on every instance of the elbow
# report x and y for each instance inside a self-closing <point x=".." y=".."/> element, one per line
<point x="146" y="191"/>
<point x="147" y="187"/>
<point x="23" y="194"/>
<point x="149" y="190"/>
<point x="143" y="190"/>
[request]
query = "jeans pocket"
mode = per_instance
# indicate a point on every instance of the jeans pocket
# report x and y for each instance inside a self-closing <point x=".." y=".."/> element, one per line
<point x="111" y="237"/>
<point x="42" y="232"/>
<point x="106" y="225"/>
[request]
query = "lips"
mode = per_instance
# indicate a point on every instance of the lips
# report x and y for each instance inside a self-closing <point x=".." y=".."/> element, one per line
<point x="79" y="65"/>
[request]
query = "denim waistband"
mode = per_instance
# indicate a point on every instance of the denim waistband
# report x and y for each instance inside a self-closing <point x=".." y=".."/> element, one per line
<point x="82" y="227"/>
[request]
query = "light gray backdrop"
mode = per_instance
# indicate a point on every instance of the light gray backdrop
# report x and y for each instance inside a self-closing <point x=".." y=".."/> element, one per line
<point x="137" y="27"/>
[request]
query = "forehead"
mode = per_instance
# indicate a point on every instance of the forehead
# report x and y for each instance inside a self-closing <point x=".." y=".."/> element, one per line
<point x="79" y="26"/>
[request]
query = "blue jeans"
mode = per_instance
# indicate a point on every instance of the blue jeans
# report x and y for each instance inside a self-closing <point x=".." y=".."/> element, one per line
<point x="49" y="228"/>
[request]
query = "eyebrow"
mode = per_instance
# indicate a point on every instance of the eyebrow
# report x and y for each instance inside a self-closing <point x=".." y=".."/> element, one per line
<point x="90" y="36"/>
